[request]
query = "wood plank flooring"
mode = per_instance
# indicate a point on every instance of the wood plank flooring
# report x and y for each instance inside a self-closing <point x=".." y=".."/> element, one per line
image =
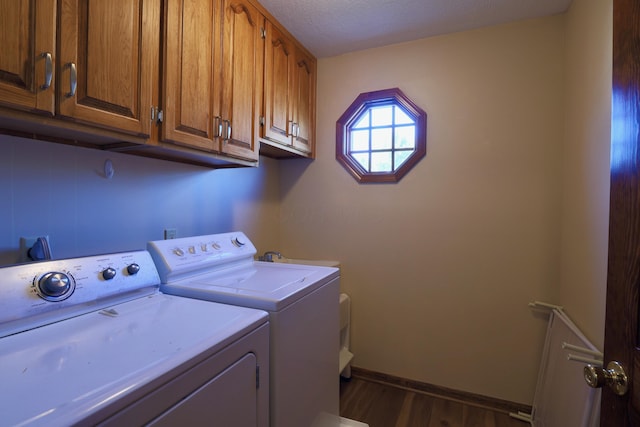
<point x="384" y="405"/>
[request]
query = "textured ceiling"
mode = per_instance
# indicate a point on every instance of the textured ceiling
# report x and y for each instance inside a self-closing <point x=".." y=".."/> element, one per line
<point x="333" y="27"/>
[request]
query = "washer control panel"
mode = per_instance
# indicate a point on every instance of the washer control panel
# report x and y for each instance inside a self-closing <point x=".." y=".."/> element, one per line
<point x="30" y="293"/>
<point x="184" y="256"/>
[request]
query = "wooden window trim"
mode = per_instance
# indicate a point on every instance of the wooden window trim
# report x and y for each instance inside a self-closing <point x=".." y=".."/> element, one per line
<point x="363" y="102"/>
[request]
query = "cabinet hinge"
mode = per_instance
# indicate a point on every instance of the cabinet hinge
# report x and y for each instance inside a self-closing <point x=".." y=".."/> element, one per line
<point x="263" y="33"/>
<point x="257" y="376"/>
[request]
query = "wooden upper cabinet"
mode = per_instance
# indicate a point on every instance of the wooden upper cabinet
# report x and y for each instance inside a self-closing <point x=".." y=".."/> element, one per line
<point x="242" y="74"/>
<point x="212" y="76"/>
<point x="304" y="102"/>
<point x="289" y="93"/>
<point x="223" y="76"/>
<point x="278" y="73"/>
<point x="27" y="37"/>
<point x="191" y="79"/>
<point x="106" y="62"/>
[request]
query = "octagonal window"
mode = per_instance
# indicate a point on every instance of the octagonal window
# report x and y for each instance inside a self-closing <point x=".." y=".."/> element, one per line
<point x="381" y="136"/>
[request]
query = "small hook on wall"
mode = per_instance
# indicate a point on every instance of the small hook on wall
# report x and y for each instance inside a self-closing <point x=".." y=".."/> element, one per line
<point x="108" y="169"/>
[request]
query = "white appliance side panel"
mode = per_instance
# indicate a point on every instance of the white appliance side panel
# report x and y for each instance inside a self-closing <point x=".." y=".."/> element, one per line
<point x="305" y="340"/>
<point x="61" y="373"/>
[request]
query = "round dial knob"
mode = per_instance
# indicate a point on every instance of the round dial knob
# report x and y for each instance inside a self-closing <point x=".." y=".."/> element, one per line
<point x="133" y="269"/>
<point x="108" y="273"/>
<point x="55" y="286"/>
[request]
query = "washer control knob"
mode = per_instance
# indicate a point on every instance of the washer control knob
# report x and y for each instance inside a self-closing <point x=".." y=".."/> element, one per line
<point x="178" y="252"/>
<point x="55" y="286"/>
<point x="237" y="243"/>
<point x="108" y="273"/>
<point x="133" y="269"/>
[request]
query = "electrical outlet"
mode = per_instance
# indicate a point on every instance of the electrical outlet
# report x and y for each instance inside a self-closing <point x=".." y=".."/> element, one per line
<point x="170" y="233"/>
<point x="27" y="243"/>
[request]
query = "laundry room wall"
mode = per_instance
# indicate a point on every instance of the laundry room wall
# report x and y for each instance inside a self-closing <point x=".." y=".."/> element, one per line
<point x="585" y="219"/>
<point x="442" y="265"/>
<point x="61" y="191"/>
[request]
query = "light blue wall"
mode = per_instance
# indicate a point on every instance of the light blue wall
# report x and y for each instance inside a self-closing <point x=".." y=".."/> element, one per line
<point x="61" y="191"/>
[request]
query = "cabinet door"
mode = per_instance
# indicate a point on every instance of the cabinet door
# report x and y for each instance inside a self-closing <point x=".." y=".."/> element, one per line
<point x="304" y="101"/>
<point x="278" y="77"/>
<point x="242" y="74"/>
<point x="105" y="69"/>
<point x="27" y="37"/>
<point x="191" y="79"/>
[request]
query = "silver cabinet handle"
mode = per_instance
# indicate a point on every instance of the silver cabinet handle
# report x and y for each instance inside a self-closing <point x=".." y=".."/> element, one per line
<point x="227" y="131"/>
<point x="48" y="70"/>
<point x="290" y="128"/>
<point x="218" y="125"/>
<point x="73" y="79"/>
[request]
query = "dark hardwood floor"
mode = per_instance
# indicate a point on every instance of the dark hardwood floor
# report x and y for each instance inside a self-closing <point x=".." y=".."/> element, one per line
<point x="384" y="405"/>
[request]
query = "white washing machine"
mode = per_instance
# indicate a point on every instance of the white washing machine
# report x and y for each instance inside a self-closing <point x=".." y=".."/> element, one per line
<point x="303" y="306"/>
<point x="92" y="341"/>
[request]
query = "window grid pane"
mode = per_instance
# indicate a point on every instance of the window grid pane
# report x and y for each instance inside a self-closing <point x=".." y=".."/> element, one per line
<point x="363" y="121"/>
<point x="363" y="160"/>
<point x="401" y="118"/>
<point x="400" y="157"/>
<point x="382" y="138"/>
<point x="405" y="137"/>
<point x="359" y="140"/>
<point x="382" y="116"/>
<point x="381" y="161"/>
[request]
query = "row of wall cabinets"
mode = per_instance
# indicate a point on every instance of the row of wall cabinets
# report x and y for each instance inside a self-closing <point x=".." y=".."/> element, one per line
<point x="200" y="81"/>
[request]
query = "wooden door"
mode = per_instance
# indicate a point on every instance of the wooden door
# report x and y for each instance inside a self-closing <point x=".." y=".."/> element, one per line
<point x="105" y="70"/>
<point x="278" y="79"/>
<point x="623" y="281"/>
<point x="191" y="76"/>
<point x="304" y="101"/>
<point x="242" y="74"/>
<point x="28" y="38"/>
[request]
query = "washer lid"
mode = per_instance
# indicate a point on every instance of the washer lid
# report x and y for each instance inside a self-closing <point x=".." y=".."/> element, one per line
<point x="60" y="373"/>
<point x="263" y="285"/>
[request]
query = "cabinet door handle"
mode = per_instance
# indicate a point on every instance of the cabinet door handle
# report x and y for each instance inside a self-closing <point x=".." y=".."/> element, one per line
<point x="290" y="128"/>
<point x="217" y="123"/>
<point x="73" y="79"/>
<point x="48" y="70"/>
<point x="227" y="132"/>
